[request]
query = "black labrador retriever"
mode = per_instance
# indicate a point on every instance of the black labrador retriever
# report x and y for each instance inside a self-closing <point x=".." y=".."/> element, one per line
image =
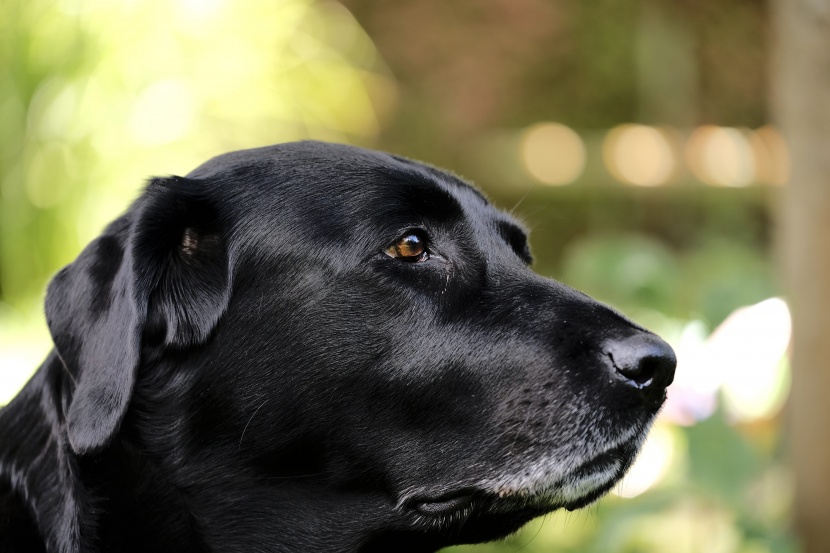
<point x="313" y="347"/>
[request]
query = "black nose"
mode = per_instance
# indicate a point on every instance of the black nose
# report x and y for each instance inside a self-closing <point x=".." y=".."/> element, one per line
<point x="643" y="361"/>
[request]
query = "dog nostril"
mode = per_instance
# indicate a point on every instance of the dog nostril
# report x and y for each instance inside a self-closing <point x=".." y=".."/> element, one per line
<point x="641" y="374"/>
<point x="644" y="360"/>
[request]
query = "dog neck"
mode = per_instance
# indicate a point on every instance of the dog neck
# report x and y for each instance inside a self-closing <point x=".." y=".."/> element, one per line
<point x="42" y="502"/>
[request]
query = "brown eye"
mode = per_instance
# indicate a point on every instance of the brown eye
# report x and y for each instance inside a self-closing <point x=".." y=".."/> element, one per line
<point x="410" y="247"/>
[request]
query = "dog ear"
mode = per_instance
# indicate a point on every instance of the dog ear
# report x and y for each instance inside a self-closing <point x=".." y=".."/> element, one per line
<point x="181" y="243"/>
<point x="160" y="273"/>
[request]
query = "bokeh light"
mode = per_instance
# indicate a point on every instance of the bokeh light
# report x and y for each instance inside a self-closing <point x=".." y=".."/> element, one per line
<point x="552" y="153"/>
<point x="638" y="154"/>
<point x="721" y="156"/>
<point x="744" y="358"/>
<point x="772" y="158"/>
<point x="652" y="464"/>
<point x="164" y="111"/>
<point x="748" y="348"/>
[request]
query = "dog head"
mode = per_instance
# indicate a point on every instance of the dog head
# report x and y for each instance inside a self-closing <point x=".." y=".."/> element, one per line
<point x="354" y="336"/>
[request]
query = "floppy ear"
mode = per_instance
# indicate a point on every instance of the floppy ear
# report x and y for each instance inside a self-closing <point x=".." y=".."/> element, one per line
<point x="159" y="271"/>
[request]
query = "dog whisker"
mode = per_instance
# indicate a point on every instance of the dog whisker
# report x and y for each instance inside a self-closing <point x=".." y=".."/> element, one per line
<point x="249" y="422"/>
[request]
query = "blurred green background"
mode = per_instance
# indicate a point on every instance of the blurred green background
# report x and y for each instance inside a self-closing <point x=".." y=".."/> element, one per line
<point x="633" y="138"/>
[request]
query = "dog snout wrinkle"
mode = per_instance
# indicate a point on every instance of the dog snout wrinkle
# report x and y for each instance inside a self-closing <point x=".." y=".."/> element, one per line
<point x="644" y="361"/>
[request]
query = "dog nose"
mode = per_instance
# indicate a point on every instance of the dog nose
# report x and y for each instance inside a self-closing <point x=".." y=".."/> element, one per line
<point x="643" y="361"/>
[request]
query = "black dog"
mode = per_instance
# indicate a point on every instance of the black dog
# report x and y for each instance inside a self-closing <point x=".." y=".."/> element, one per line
<point x="312" y="347"/>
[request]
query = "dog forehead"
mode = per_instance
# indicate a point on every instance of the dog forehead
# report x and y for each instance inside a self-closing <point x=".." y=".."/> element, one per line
<point x="291" y="160"/>
<point x="323" y="200"/>
<point x="339" y="186"/>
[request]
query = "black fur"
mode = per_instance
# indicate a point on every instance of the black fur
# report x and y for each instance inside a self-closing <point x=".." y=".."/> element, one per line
<point x="241" y="364"/>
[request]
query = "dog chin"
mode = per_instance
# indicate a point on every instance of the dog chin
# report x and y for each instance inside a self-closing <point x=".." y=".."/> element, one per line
<point x="547" y="487"/>
<point x="541" y="488"/>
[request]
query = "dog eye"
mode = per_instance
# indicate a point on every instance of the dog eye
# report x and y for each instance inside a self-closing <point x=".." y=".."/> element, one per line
<point x="412" y="247"/>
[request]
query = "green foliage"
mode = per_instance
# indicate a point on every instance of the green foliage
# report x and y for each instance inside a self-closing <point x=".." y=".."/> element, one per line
<point x="720" y="460"/>
<point x="97" y="96"/>
<point x="630" y="271"/>
<point x="637" y="273"/>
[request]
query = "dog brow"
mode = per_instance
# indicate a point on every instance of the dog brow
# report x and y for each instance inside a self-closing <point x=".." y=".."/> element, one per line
<point x="425" y="194"/>
<point x="442" y="176"/>
<point x="448" y="178"/>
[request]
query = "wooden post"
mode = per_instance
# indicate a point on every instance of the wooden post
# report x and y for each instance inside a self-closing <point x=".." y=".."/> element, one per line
<point x="801" y="108"/>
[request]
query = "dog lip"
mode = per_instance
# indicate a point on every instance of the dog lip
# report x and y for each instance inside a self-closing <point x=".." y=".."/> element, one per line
<point x="621" y="455"/>
<point x="604" y="460"/>
<point x="589" y="498"/>
<point x="443" y="504"/>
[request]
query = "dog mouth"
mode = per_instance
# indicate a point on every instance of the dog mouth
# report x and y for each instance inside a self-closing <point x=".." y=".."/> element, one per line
<point x="611" y="461"/>
<point x="597" y="476"/>
<point x="575" y="489"/>
<point x="446" y="504"/>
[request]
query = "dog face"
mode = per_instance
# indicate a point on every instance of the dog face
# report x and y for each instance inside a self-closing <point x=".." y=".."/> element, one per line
<point x="312" y="332"/>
